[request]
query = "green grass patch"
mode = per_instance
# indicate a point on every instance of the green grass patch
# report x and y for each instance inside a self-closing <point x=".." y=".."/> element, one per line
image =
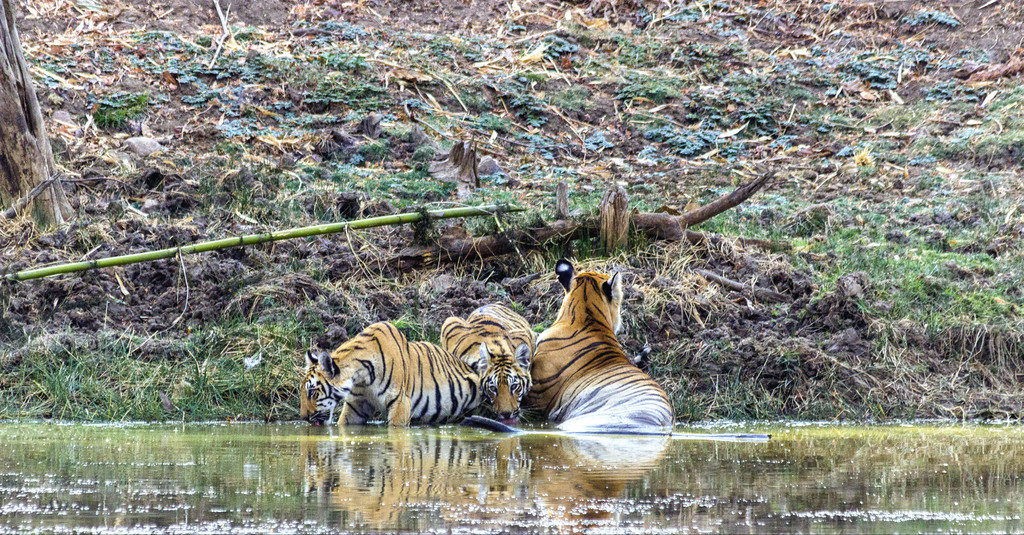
<point x="573" y="99"/>
<point x="117" y="376"/>
<point x="116" y="110"/>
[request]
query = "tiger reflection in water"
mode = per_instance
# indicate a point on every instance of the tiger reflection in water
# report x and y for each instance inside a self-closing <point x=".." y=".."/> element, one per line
<point x="423" y="479"/>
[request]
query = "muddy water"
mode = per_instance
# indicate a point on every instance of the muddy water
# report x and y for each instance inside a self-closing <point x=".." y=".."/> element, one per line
<point x="288" y="477"/>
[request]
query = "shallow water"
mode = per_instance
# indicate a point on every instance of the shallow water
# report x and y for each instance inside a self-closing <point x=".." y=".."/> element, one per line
<point x="288" y="477"/>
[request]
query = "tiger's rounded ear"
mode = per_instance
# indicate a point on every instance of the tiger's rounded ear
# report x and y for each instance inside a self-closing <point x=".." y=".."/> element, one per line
<point x="523" y="356"/>
<point x="613" y="287"/>
<point x="484" y="360"/>
<point x="328" y="366"/>
<point x="311" y="358"/>
<point x="451" y="324"/>
<point x="565" y="272"/>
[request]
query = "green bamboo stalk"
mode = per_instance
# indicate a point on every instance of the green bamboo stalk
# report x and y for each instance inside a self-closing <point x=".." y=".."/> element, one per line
<point x="250" y="239"/>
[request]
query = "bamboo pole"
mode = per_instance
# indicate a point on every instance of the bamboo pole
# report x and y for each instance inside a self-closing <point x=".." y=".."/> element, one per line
<point x="250" y="239"/>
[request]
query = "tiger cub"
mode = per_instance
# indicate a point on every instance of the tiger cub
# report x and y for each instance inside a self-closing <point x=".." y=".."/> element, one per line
<point x="582" y="378"/>
<point x="379" y="371"/>
<point x="499" y="342"/>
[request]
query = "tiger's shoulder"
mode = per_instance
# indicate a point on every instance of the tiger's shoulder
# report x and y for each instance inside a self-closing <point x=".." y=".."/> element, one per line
<point x="504" y="316"/>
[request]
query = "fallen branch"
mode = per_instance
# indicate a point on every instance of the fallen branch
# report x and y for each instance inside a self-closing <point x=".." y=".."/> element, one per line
<point x="457" y="248"/>
<point x="251" y="239"/>
<point x="746" y="289"/>
<point x="1012" y="67"/>
<point x="20" y="204"/>
<point x="671" y="227"/>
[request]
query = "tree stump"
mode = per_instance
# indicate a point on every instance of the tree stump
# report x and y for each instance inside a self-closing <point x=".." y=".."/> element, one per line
<point x="26" y="160"/>
<point x="614" y="230"/>
<point x="562" y="200"/>
<point x="459" y="167"/>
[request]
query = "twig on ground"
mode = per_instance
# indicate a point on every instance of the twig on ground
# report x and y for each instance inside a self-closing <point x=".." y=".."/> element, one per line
<point x="184" y="273"/>
<point x="226" y="31"/>
<point x="20" y="204"/>
<point x="746" y="289"/>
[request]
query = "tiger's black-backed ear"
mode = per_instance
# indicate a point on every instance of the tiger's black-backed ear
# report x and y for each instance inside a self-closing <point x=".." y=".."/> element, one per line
<point x="613" y="287"/>
<point x="311" y="358"/>
<point x="328" y="366"/>
<point x="565" y="272"/>
<point x="523" y="356"/>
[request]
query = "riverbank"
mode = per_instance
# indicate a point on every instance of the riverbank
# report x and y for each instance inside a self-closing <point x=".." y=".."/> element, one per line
<point x="892" y="233"/>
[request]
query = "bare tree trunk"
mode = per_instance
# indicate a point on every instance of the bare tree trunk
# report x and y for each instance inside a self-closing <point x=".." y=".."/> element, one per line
<point x="26" y="159"/>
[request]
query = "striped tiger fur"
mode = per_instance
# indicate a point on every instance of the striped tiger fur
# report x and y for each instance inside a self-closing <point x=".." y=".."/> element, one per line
<point x="582" y="378"/>
<point x="379" y="371"/>
<point x="497" y="340"/>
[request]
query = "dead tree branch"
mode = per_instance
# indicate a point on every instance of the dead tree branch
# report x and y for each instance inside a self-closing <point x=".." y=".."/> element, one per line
<point x="763" y="294"/>
<point x="459" y="246"/>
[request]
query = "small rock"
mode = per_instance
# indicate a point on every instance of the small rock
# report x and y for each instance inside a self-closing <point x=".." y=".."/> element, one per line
<point x="488" y="166"/>
<point x="897" y="236"/>
<point x="439" y="283"/>
<point x="348" y="205"/>
<point x="417" y="137"/>
<point x="64" y="116"/>
<point x="850" y="336"/>
<point x="340" y="137"/>
<point x="519" y="284"/>
<point x="853" y="286"/>
<point x="143" y="146"/>
<point x="370" y="126"/>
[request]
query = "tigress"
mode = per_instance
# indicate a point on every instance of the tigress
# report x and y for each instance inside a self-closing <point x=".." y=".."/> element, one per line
<point x="495" y="339"/>
<point x="582" y="378"/>
<point x="379" y="371"/>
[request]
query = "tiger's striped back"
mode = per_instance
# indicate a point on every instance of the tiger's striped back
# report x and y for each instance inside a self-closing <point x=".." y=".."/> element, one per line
<point x="379" y="371"/>
<point x="504" y="365"/>
<point x="582" y="378"/>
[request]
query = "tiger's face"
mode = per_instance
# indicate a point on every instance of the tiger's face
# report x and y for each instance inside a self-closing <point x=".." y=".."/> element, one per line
<point x="317" y="396"/>
<point x="504" y="379"/>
